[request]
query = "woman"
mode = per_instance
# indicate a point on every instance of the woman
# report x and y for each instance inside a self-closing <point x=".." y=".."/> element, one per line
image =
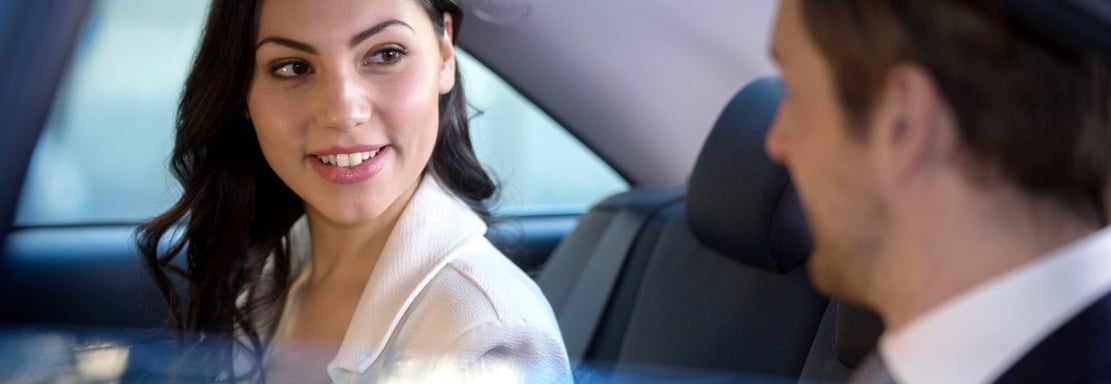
<point x="332" y="200"/>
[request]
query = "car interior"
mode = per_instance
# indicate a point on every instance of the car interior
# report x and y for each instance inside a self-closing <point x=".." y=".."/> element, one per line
<point x="703" y="280"/>
<point x="708" y="278"/>
<point x="696" y="272"/>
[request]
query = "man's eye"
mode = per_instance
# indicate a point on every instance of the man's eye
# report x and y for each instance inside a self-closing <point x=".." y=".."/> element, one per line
<point x="387" y="56"/>
<point x="291" y="70"/>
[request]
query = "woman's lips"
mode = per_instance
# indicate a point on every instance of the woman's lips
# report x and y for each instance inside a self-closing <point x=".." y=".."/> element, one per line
<point x="349" y="165"/>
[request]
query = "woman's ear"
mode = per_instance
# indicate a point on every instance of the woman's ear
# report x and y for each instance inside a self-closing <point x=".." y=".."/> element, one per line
<point x="447" y="53"/>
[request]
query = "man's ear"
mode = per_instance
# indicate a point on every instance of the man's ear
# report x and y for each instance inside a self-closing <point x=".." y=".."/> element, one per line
<point x="447" y="53"/>
<point x="913" y="129"/>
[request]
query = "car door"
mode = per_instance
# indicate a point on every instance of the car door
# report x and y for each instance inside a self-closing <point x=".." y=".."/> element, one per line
<point x="38" y="39"/>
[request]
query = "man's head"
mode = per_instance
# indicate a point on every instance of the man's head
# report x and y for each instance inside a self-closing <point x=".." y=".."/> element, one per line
<point x="898" y="110"/>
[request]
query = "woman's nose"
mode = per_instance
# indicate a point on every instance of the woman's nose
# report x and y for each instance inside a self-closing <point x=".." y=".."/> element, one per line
<point x="341" y="101"/>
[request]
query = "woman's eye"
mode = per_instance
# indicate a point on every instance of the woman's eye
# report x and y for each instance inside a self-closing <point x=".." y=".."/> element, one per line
<point x="387" y="56"/>
<point x="291" y="70"/>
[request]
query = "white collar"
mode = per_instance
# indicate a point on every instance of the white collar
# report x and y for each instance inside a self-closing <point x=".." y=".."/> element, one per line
<point x="976" y="336"/>
<point x="433" y="224"/>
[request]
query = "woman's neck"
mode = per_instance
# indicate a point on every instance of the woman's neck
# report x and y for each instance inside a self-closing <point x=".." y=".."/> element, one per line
<point x="350" y="251"/>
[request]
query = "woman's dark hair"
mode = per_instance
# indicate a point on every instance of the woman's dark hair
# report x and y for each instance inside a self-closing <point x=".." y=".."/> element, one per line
<point x="234" y="212"/>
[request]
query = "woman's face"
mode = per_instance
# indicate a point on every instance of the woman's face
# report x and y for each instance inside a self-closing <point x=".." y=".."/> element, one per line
<point x="344" y="100"/>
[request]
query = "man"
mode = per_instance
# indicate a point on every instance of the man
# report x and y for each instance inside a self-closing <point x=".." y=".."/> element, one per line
<point x="954" y="166"/>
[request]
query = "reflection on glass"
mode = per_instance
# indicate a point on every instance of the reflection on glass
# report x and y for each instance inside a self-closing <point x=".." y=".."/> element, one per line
<point x="101" y="362"/>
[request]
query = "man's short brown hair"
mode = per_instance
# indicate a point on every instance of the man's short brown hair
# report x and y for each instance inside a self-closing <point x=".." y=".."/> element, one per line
<point x="1031" y="112"/>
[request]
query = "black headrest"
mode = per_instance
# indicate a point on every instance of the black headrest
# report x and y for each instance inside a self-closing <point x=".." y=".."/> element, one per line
<point x="740" y="203"/>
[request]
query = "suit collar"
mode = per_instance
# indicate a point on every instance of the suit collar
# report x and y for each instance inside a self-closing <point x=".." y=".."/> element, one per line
<point x="1079" y="351"/>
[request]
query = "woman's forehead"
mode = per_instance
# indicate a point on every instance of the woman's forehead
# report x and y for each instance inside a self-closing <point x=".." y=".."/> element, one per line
<point x="335" y="19"/>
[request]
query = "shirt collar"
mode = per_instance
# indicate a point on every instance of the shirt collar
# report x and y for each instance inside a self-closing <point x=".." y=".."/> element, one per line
<point x="976" y="336"/>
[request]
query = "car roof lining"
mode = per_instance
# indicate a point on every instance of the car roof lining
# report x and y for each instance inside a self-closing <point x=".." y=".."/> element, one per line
<point x="654" y="92"/>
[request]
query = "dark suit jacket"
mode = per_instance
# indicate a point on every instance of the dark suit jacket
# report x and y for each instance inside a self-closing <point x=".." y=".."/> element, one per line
<point x="1077" y="352"/>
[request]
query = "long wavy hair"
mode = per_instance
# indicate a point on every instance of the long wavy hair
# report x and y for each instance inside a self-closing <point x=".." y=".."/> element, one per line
<point x="234" y="212"/>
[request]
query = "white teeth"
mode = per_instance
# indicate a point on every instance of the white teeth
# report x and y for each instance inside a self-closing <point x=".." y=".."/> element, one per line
<point x="348" y="160"/>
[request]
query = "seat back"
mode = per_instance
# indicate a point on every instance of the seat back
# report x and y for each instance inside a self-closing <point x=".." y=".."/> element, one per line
<point x="714" y="282"/>
<point x="845" y="336"/>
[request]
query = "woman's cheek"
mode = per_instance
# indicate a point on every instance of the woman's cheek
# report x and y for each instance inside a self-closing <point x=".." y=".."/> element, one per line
<point x="410" y="105"/>
<point x="276" y="126"/>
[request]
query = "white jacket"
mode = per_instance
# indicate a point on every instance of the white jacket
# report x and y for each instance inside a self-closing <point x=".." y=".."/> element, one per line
<point x="442" y="304"/>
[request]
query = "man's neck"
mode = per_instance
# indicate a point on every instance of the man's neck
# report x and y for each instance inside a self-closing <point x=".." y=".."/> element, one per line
<point x="950" y="248"/>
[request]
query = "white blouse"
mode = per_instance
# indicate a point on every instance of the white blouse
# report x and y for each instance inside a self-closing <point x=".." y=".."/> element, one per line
<point x="442" y="304"/>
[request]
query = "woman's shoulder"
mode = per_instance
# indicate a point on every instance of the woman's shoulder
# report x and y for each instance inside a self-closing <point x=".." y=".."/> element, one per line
<point x="481" y="309"/>
<point x="478" y="287"/>
<point x="480" y="275"/>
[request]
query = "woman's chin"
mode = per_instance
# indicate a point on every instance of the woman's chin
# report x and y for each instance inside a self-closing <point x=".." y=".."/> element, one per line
<point x="346" y="216"/>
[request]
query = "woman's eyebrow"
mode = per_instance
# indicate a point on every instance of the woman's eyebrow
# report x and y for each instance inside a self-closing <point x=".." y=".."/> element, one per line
<point x="288" y="43"/>
<point x="366" y="34"/>
<point x="355" y="40"/>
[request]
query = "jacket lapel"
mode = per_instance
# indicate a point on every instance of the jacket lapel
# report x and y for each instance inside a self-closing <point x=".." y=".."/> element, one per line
<point x="1078" y="352"/>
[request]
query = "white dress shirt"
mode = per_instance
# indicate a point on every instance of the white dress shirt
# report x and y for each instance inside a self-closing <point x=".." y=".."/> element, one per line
<point x="978" y="335"/>
<point x="442" y="304"/>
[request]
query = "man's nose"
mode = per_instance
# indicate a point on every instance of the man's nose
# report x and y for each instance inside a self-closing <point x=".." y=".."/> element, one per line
<point x="775" y="142"/>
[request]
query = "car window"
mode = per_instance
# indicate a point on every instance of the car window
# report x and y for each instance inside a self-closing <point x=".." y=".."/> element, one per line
<point x="103" y="155"/>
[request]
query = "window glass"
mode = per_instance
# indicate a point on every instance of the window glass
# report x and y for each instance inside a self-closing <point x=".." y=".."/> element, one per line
<point x="103" y="156"/>
<point x="541" y="166"/>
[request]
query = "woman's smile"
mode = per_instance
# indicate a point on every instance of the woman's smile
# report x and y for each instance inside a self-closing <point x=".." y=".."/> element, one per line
<point x="349" y="165"/>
